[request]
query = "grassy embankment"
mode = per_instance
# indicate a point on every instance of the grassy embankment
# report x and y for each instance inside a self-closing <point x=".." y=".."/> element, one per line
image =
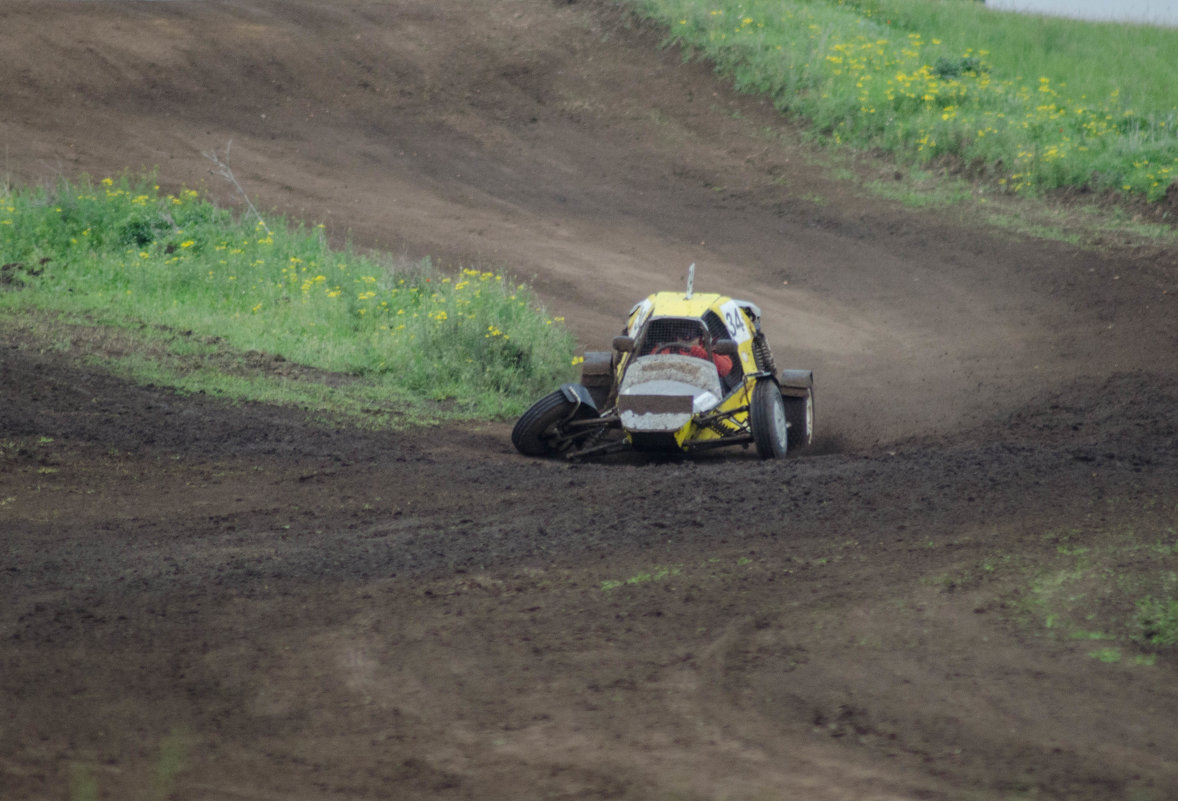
<point x="173" y="290"/>
<point x="1019" y="104"/>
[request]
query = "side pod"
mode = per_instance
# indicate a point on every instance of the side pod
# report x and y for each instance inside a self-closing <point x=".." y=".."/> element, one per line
<point x="580" y="395"/>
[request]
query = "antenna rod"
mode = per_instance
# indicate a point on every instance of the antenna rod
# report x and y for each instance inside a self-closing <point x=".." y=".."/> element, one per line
<point x="690" y="280"/>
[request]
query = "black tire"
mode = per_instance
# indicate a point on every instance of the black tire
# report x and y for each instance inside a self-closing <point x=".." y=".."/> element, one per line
<point x="538" y="431"/>
<point x="799" y="412"/>
<point x="767" y="419"/>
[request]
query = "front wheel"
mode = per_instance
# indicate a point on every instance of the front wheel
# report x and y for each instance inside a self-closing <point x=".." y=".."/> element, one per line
<point x="541" y="430"/>
<point x="767" y="419"/>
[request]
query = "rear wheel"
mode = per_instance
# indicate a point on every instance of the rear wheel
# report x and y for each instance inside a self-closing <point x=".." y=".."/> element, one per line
<point x="800" y="414"/>
<point x="541" y="430"/>
<point x="767" y="419"/>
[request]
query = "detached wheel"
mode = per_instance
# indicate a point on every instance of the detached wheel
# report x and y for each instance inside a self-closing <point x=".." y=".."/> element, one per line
<point x="800" y="414"/>
<point x="540" y="431"/>
<point x="767" y="419"/>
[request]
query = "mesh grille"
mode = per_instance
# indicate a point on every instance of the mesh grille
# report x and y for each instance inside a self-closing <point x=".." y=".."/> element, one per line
<point x="665" y="331"/>
<point x="715" y="325"/>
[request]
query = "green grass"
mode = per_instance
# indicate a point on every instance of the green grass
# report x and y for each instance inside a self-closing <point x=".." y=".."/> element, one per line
<point x="170" y="763"/>
<point x="655" y="574"/>
<point x="1025" y="104"/>
<point x="1157" y="618"/>
<point x="195" y="291"/>
<point x="723" y="568"/>
<point x="1116" y="592"/>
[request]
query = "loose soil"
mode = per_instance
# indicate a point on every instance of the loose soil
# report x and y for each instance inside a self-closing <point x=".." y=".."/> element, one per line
<point x="203" y="600"/>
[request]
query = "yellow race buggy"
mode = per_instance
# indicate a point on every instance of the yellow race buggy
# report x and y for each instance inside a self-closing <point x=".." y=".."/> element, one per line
<point x="689" y="372"/>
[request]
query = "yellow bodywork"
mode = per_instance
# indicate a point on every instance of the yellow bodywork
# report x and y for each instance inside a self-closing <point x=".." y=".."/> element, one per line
<point x="731" y="413"/>
<point x="730" y="416"/>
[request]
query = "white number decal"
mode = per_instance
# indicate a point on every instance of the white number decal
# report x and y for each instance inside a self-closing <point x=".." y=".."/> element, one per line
<point x="734" y="319"/>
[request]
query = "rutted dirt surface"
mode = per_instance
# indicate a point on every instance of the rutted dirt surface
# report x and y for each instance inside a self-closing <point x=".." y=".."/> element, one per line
<point x="206" y="601"/>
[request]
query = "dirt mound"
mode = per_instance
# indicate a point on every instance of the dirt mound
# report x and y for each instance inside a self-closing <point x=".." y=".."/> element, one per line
<point x="207" y="600"/>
